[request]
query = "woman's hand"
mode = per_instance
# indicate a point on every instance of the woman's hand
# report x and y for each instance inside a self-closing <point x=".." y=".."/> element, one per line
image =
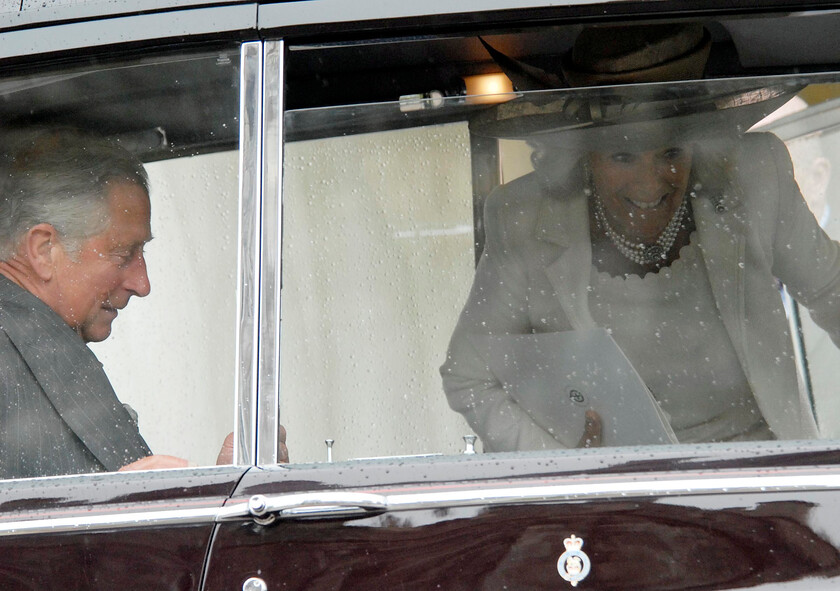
<point x="592" y="430"/>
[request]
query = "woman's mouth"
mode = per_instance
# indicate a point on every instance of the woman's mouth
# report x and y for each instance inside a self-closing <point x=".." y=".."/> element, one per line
<point x="645" y="205"/>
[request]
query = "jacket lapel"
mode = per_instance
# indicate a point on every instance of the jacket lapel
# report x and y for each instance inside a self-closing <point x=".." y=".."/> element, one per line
<point x="722" y="242"/>
<point x="71" y="377"/>
<point x="747" y="300"/>
<point x="566" y="224"/>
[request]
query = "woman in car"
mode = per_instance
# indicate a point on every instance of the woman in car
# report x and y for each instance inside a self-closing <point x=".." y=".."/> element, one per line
<point x="650" y="213"/>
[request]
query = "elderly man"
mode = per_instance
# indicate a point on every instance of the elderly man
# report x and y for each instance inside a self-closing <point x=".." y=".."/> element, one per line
<point x="74" y="219"/>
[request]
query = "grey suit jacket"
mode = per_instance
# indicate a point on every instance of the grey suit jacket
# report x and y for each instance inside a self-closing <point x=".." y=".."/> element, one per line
<point x="535" y="271"/>
<point x="58" y="412"/>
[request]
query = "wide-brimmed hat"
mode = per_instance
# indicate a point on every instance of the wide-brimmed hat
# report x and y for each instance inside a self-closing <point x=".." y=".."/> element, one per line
<point x="593" y="105"/>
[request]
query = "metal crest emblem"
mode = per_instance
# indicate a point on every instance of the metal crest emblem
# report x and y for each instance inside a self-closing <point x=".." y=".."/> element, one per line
<point x="573" y="564"/>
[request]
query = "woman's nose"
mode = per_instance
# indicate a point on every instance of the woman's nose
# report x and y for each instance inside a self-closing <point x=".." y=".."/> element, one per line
<point x="653" y="180"/>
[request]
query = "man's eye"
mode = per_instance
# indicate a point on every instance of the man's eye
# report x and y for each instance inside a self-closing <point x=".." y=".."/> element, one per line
<point x="122" y="258"/>
<point x="622" y="157"/>
<point x="673" y="153"/>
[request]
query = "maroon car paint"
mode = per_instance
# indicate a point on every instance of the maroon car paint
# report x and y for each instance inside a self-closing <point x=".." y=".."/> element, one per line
<point x="711" y="540"/>
<point x="167" y="556"/>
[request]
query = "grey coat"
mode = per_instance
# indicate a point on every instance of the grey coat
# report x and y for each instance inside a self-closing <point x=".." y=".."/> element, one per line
<point x="534" y="274"/>
<point x="58" y="412"/>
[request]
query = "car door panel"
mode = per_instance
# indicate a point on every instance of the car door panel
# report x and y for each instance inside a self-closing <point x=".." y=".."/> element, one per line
<point x="131" y="531"/>
<point x="707" y="525"/>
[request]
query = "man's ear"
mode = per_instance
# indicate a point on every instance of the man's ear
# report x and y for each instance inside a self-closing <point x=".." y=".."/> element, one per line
<point x="39" y="246"/>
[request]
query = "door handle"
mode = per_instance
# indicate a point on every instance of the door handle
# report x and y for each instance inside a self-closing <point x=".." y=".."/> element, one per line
<point x="319" y="505"/>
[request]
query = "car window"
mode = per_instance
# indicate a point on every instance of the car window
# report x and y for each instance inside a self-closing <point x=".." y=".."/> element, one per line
<point x="498" y="268"/>
<point x="169" y="350"/>
<point x="191" y="261"/>
<point x="378" y="254"/>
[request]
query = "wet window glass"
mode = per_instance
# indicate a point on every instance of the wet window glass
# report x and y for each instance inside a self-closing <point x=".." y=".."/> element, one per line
<point x="808" y="125"/>
<point x="120" y="248"/>
<point x="629" y="265"/>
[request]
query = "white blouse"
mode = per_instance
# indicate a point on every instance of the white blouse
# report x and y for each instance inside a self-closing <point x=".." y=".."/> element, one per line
<point x="665" y="322"/>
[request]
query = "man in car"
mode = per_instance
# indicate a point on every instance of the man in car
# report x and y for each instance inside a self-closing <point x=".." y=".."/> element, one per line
<point x="74" y="219"/>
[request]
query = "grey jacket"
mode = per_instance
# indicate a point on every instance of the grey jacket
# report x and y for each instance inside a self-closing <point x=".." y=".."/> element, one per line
<point x="535" y="270"/>
<point x="58" y="412"/>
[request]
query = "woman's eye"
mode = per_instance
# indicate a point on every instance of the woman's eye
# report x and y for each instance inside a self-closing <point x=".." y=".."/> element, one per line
<point x="673" y="153"/>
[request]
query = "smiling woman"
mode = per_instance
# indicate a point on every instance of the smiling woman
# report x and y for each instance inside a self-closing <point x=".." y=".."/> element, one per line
<point x="640" y="204"/>
<point x="645" y="206"/>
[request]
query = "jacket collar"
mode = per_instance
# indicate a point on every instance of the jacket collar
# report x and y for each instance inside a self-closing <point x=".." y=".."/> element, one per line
<point x="71" y="377"/>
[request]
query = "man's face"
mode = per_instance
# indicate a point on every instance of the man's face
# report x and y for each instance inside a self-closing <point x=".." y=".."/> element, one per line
<point x="109" y="268"/>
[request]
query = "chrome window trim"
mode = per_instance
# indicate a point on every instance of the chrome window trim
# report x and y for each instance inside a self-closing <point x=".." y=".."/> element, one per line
<point x="331" y="502"/>
<point x="307" y="12"/>
<point x="123" y="29"/>
<point x="271" y="260"/>
<point x="247" y="300"/>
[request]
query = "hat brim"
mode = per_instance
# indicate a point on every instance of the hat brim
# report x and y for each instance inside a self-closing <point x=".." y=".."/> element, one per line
<point x="646" y="114"/>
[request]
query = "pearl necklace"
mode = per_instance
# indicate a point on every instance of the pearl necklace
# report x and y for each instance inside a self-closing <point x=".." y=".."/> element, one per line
<point x="638" y="252"/>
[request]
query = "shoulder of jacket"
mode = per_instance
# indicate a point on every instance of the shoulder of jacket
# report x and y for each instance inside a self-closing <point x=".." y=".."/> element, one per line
<point x="520" y="199"/>
<point x="763" y="142"/>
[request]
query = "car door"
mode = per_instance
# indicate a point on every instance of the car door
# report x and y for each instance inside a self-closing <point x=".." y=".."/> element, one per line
<point x="383" y="184"/>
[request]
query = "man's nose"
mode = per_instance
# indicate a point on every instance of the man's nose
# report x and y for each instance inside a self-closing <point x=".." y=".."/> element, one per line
<point x="137" y="278"/>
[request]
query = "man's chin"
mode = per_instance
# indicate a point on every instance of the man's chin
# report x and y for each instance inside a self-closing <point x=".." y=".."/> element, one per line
<point x="95" y="334"/>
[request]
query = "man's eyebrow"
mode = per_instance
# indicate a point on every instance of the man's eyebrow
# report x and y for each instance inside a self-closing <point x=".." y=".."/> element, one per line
<point x="138" y="244"/>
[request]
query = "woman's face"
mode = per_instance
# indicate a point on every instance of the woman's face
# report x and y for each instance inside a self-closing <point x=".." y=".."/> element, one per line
<point x="641" y="190"/>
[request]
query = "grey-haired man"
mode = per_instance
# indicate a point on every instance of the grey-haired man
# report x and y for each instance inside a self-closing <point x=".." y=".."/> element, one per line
<point x="74" y="219"/>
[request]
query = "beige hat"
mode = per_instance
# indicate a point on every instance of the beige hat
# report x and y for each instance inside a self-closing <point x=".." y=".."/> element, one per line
<point x="596" y="107"/>
<point x="652" y="53"/>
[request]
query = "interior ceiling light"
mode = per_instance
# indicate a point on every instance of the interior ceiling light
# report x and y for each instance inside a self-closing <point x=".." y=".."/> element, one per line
<point x="478" y="89"/>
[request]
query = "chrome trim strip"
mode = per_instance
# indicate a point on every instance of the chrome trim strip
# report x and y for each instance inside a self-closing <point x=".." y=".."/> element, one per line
<point x="355" y="504"/>
<point x="307" y="12"/>
<point x="272" y="166"/>
<point x="247" y="301"/>
<point x="125" y="29"/>
<point x="289" y="505"/>
<point x="109" y="522"/>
